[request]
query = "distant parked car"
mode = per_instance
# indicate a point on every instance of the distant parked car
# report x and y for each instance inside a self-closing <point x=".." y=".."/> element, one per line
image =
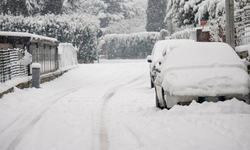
<point x="202" y="72"/>
<point x="160" y="49"/>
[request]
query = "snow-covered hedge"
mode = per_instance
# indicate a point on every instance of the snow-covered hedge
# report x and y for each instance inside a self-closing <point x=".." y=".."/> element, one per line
<point x="77" y="29"/>
<point x="130" y="46"/>
<point x="185" y="34"/>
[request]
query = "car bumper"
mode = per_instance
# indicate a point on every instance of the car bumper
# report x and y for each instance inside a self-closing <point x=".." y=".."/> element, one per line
<point x="172" y="100"/>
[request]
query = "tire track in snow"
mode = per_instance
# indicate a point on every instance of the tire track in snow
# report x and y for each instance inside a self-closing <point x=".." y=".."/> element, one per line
<point x="38" y="114"/>
<point x="103" y="135"/>
<point x="30" y="125"/>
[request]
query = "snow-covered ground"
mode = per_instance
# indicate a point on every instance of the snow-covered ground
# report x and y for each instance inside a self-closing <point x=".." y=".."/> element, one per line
<point x="110" y="106"/>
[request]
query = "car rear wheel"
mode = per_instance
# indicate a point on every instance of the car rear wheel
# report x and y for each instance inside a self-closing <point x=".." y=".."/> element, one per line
<point x="164" y="99"/>
<point x="152" y="84"/>
<point x="157" y="104"/>
<point x="158" y="101"/>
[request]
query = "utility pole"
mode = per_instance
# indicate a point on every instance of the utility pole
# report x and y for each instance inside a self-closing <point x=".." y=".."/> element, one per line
<point x="230" y="33"/>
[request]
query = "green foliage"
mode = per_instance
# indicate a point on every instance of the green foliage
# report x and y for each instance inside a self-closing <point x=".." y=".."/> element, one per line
<point x="130" y="46"/>
<point x="77" y="29"/>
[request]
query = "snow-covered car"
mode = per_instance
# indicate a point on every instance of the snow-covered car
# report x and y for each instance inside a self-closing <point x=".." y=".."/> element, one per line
<point x="200" y="71"/>
<point x="158" y="52"/>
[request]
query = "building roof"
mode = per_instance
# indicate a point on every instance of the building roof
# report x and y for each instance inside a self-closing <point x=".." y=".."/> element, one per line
<point x="25" y="34"/>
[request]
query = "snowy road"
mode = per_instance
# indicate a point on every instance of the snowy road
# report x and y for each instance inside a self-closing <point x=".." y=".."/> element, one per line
<point x="109" y="106"/>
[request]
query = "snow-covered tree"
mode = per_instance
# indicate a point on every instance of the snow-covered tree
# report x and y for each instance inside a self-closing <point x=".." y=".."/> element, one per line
<point x="52" y="7"/>
<point x="156" y="13"/>
<point x="126" y="26"/>
<point x="212" y="9"/>
<point x="14" y="7"/>
<point x="182" y="12"/>
<point x="215" y="9"/>
<point x="34" y="6"/>
<point x="92" y="7"/>
<point x="218" y="27"/>
<point x="116" y="10"/>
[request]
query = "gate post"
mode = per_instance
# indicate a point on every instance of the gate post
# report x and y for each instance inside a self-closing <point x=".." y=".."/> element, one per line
<point x="36" y="75"/>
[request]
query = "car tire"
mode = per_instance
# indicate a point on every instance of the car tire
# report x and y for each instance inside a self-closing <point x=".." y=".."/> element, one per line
<point x="164" y="99"/>
<point x="157" y="101"/>
<point x="157" y="104"/>
<point x="152" y="84"/>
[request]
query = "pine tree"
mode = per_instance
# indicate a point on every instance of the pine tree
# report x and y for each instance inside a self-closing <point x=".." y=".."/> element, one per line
<point x="71" y="6"/>
<point x="156" y="13"/>
<point x="52" y="7"/>
<point x="14" y="7"/>
<point x="117" y="10"/>
<point x="113" y="8"/>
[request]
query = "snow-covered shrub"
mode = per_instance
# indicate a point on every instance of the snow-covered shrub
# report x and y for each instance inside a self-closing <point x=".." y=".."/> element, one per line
<point x="79" y="29"/>
<point x="129" y="46"/>
<point x="218" y="28"/>
<point x="27" y="59"/>
<point x="185" y="34"/>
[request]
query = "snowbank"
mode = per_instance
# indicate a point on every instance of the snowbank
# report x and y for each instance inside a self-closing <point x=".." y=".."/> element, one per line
<point x="242" y="48"/>
<point x="12" y="83"/>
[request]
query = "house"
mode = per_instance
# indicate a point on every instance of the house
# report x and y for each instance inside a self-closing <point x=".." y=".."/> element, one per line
<point x="43" y="49"/>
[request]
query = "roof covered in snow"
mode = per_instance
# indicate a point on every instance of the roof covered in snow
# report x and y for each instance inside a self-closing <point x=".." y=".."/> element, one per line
<point x="25" y="34"/>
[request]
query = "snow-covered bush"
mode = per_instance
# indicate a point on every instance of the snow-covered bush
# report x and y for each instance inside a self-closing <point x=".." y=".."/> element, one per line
<point x="129" y="46"/>
<point x="27" y="59"/>
<point x="77" y="29"/>
<point x="218" y="28"/>
<point x="185" y="34"/>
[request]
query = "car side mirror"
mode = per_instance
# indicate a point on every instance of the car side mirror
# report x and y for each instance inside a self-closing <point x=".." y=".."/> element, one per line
<point x="150" y="58"/>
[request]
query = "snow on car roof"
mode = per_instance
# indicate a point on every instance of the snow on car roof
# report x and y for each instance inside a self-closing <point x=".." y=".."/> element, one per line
<point x="25" y="34"/>
<point x="202" y="53"/>
<point x="163" y="46"/>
